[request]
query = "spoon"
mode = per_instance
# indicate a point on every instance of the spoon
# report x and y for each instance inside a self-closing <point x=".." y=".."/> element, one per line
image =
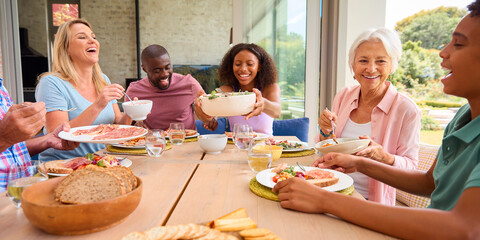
<point x="128" y="97"/>
<point x="333" y="129"/>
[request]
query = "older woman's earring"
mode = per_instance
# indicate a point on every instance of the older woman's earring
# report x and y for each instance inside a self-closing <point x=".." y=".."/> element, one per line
<point x="389" y="77"/>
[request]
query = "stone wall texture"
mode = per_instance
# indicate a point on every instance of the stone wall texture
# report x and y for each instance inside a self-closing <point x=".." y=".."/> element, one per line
<point x="194" y="32"/>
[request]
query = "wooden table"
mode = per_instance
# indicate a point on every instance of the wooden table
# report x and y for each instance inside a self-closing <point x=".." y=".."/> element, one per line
<point x="187" y="186"/>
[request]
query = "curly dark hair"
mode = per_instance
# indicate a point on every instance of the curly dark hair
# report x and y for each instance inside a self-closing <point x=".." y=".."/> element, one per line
<point x="474" y="8"/>
<point x="267" y="74"/>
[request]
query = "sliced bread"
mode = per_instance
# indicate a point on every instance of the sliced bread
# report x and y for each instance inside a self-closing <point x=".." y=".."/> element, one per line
<point x="90" y="184"/>
<point x="323" y="182"/>
<point x="56" y="166"/>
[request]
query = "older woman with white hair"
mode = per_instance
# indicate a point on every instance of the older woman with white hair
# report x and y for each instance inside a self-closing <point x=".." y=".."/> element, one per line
<point x="374" y="109"/>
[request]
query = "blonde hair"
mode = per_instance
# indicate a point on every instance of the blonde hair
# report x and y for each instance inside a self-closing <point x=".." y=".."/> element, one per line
<point x="62" y="65"/>
<point x="389" y="38"/>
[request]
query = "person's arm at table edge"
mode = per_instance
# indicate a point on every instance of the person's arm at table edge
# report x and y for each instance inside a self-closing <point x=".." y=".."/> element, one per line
<point x="403" y="222"/>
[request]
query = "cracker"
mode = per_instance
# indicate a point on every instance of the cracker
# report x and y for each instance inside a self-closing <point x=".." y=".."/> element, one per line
<point x="199" y="231"/>
<point x="156" y="233"/>
<point x="171" y="232"/>
<point x="212" y="235"/>
<point x="269" y="236"/>
<point x="135" y="236"/>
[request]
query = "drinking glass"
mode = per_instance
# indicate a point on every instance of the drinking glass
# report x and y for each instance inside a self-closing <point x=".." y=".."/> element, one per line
<point x="176" y="133"/>
<point x="259" y="156"/>
<point x="234" y="129"/>
<point x="243" y="136"/>
<point x="155" y="142"/>
<point x="21" y="177"/>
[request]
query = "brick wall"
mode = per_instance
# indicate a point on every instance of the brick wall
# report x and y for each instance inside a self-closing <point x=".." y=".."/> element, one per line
<point x="32" y="15"/>
<point x="113" y="23"/>
<point x="194" y="32"/>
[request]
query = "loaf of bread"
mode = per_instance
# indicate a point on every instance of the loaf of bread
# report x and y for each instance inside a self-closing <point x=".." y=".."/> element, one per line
<point x="93" y="184"/>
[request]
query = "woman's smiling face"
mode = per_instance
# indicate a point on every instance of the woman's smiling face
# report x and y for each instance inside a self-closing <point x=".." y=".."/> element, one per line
<point x="83" y="46"/>
<point x="245" y="68"/>
<point x="371" y="65"/>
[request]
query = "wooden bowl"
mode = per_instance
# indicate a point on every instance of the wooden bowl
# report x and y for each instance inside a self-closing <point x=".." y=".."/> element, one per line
<point x="41" y="209"/>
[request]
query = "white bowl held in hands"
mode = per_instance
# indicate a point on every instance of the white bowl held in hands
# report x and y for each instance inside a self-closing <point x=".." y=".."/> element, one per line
<point x="231" y="105"/>
<point x="213" y="143"/>
<point x="137" y="110"/>
<point x="345" y="145"/>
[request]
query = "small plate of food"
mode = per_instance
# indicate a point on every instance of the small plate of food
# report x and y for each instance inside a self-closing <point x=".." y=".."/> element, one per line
<point x="328" y="179"/>
<point x="60" y="168"/>
<point x="137" y="143"/>
<point x="256" y="136"/>
<point x="289" y="146"/>
<point x="345" y="145"/>
<point x="103" y="133"/>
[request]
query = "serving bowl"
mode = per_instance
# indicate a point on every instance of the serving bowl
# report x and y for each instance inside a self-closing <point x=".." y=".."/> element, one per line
<point x="229" y="105"/>
<point x="276" y="150"/>
<point x="41" y="209"/>
<point x="345" y="145"/>
<point x="213" y="143"/>
<point x="137" y="110"/>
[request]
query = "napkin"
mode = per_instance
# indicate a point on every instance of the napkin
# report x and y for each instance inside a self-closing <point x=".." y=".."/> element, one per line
<point x="266" y="192"/>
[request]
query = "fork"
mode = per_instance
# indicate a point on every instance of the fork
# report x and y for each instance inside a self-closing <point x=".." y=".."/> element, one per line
<point x="333" y="129"/>
<point x="68" y="110"/>
<point x="301" y="167"/>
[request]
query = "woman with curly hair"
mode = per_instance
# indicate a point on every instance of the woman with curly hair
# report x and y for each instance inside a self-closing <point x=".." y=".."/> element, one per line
<point x="248" y="67"/>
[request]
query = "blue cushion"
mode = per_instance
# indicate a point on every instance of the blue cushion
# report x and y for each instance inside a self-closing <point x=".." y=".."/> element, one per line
<point x="220" y="129"/>
<point x="292" y="127"/>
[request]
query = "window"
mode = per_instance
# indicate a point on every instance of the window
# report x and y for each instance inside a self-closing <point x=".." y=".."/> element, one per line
<point x="279" y="26"/>
<point x="59" y="12"/>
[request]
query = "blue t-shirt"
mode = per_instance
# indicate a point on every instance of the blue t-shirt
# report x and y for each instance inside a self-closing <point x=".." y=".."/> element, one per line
<point x="458" y="160"/>
<point x="58" y="93"/>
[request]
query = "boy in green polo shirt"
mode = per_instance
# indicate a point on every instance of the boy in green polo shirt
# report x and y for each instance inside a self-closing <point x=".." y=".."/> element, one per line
<point x="453" y="181"/>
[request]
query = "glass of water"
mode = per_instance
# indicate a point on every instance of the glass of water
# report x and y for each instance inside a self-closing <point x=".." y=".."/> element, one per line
<point x="176" y="133"/>
<point x="243" y="136"/>
<point x="21" y="177"/>
<point x="155" y="142"/>
<point x="259" y="156"/>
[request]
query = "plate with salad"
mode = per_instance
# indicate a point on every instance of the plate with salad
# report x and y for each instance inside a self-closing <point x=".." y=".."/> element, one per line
<point x="288" y="145"/>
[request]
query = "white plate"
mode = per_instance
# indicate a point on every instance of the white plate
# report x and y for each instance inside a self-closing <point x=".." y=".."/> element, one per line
<point x="345" y="145"/>
<point x="125" y="162"/>
<point x="261" y="136"/>
<point x="344" y="181"/>
<point x="89" y="138"/>
<point x="304" y="144"/>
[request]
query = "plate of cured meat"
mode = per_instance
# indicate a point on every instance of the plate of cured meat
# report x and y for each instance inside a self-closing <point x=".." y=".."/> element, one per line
<point x="60" y="168"/>
<point x="103" y="133"/>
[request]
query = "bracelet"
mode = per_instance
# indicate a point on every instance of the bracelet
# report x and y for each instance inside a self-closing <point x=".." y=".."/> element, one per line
<point x="325" y="135"/>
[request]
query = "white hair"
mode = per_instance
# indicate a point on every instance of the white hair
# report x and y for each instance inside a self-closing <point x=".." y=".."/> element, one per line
<point x="390" y="40"/>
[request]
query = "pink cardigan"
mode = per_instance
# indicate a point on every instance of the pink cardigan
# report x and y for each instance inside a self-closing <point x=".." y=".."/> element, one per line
<point x="395" y="126"/>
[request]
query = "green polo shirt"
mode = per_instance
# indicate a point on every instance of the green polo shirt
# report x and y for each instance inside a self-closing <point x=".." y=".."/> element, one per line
<point x="458" y="160"/>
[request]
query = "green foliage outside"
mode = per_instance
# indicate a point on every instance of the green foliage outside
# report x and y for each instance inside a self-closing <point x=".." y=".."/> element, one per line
<point x="429" y="123"/>
<point x="419" y="70"/>
<point x="207" y="76"/>
<point x="433" y="28"/>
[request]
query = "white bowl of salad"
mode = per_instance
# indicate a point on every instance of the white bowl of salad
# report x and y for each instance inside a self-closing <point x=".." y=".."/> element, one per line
<point x="228" y="104"/>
